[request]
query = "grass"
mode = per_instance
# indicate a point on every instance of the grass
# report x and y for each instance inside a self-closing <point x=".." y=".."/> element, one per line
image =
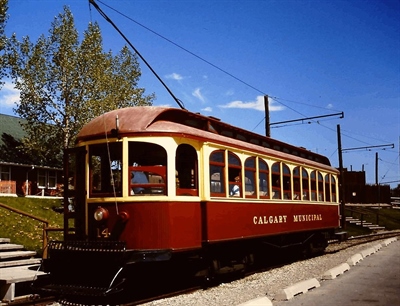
<point x="389" y="218"/>
<point x="24" y="230"/>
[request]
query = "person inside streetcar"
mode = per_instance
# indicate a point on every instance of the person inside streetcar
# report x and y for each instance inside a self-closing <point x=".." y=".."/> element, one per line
<point x="235" y="191"/>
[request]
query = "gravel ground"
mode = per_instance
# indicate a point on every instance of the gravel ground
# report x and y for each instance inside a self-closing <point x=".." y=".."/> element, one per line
<point x="266" y="283"/>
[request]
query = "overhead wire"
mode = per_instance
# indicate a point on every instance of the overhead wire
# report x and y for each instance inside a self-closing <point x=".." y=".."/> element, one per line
<point x="277" y="99"/>
<point x="178" y="101"/>
<point x="203" y="59"/>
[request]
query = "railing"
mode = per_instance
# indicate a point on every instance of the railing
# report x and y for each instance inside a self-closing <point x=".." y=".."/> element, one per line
<point x="8" y="187"/>
<point x="46" y="227"/>
<point x="363" y="213"/>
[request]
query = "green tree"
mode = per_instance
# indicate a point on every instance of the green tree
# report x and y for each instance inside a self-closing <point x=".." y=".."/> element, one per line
<point x="64" y="83"/>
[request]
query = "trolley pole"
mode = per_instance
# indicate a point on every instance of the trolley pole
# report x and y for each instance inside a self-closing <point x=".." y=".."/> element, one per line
<point x="341" y="179"/>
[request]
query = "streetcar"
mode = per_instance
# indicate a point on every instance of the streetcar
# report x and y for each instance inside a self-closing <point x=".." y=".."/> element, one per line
<point x="151" y="186"/>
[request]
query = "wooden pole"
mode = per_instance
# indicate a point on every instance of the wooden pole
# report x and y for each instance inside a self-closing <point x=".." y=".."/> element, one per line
<point x="341" y="180"/>
<point x="267" y="123"/>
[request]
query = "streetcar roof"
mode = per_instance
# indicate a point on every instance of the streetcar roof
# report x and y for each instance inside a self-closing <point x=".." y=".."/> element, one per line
<point x="173" y="120"/>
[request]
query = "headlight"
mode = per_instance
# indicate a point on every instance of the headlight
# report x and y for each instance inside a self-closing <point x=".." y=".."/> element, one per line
<point x="124" y="216"/>
<point x="101" y="214"/>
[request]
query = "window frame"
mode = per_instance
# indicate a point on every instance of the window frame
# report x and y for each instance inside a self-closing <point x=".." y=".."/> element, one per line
<point x="44" y="175"/>
<point x="219" y="165"/>
<point x="7" y="172"/>
<point x="276" y="180"/>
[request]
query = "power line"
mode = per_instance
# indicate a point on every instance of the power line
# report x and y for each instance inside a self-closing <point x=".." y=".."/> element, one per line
<point x="207" y="62"/>
<point x="277" y="99"/>
<point x="179" y="102"/>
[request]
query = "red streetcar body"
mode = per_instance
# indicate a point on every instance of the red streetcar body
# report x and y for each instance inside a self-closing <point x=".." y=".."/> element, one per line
<point x="154" y="225"/>
<point x="152" y="184"/>
<point x="172" y="222"/>
<point x="226" y="221"/>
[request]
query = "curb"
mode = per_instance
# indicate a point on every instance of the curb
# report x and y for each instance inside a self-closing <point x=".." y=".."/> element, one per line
<point x="336" y="271"/>
<point x="301" y="287"/>
<point x="304" y="286"/>
<point x="368" y="252"/>
<point x="355" y="259"/>
<point x="261" y="301"/>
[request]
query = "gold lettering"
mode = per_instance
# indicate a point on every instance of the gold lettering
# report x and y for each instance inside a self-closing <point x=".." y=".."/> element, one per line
<point x="270" y="219"/>
<point x="103" y="233"/>
<point x="307" y="218"/>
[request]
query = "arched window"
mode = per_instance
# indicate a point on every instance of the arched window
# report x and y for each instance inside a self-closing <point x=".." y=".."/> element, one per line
<point x="313" y="177"/>
<point x="250" y="177"/>
<point x="235" y="175"/>
<point x="296" y="183"/>
<point x="306" y="185"/>
<point x="287" y="186"/>
<point x="186" y="170"/>
<point x="217" y="179"/>
<point x="327" y="188"/>
<point x="333" y="188"/>
<point x="320" y="187"/>
<point x="147" y="168"/>
<point x="263" y="178"/>
<point x="276" y="180"/>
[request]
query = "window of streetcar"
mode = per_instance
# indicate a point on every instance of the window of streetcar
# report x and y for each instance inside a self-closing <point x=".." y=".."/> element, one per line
<point x="320" y="187"/>
<point x="105" y="169"/>
<point x="147" y="169"/>
<point x="217" y="180"/>
<point x="327" y="188"/>
<point x="276" y="180"/>
<point x="287" y="189"/>
<point x="306" y="184"/>
<point x="235" y="175"/>
<point x="333" y="185"/>
<point x="250" y="177"/>
<point x="186" y="170"/>
<point x="296" y="183"/>
<point x="313" y="177"/>
<point x="263" y="176"/>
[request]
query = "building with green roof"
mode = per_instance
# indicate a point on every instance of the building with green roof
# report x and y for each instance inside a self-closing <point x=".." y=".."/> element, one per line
<point x="17" y="178"/>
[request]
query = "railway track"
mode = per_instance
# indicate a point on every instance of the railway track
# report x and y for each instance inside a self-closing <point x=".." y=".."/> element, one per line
<point x="336" y="246"/>
<point x="333" y="247"/>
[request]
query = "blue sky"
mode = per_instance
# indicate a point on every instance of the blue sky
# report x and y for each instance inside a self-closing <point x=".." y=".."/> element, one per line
<point x="313" y="57"/>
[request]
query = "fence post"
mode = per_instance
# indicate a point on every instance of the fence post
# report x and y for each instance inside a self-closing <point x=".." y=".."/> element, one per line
<point x="45" y="240"/>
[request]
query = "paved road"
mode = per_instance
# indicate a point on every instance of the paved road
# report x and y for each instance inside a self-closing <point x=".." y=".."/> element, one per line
<point x="374" y="281"/>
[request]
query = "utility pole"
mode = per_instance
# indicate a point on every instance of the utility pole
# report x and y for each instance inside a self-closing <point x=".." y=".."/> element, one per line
<point x="267" y="124"/>
<point x="377" y="186"/>
<point x="341" y="180"/>
<point x="376" y="165"/>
